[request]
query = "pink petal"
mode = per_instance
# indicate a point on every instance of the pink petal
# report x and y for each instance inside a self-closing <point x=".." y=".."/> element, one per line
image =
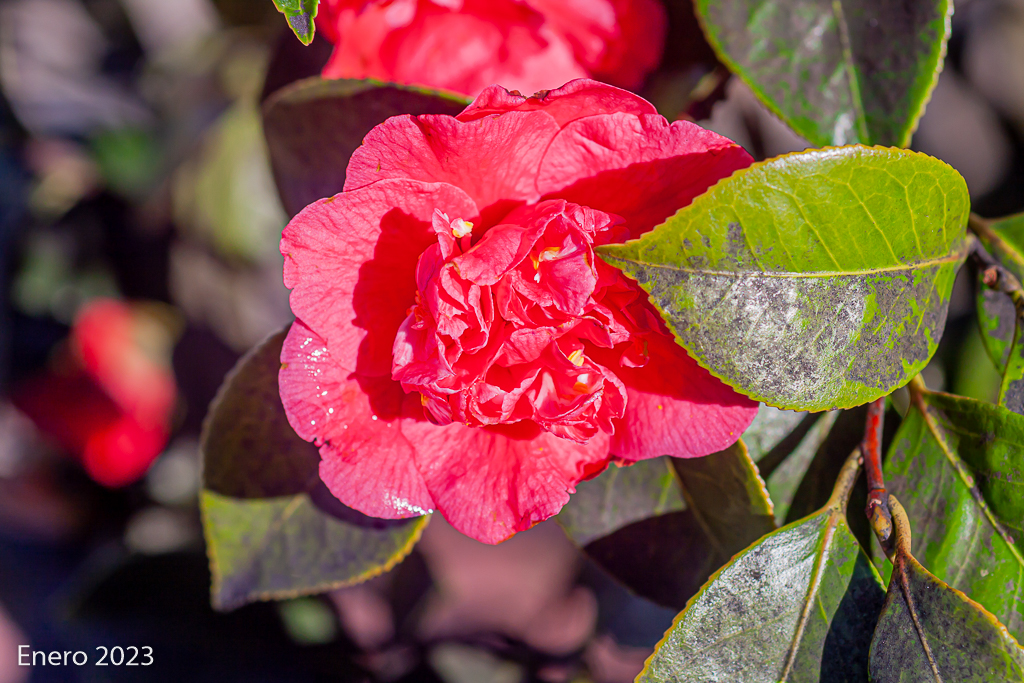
<point x="675" y="407"/>
<point x="490" y="483"/>
<point x="350" y="262"/>
<point x="641" y="168"/>
<point x="366" y="461"/>
<point x="618" y="41"/>
<point x="574" y="100"/>
<point x="494" y="160"/>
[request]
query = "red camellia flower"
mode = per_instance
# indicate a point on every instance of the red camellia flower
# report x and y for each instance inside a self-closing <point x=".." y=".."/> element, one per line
<point x="109" y="402"/>
<point x="458" y="344"/>
<point x="465" y="45"/>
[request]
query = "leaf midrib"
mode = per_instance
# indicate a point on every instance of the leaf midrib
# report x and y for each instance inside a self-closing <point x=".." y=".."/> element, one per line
<point x="904" y="584"/>
<point x="791" y="275"/>
<point x="856" y="98"/>
<point x="822" y="550"/>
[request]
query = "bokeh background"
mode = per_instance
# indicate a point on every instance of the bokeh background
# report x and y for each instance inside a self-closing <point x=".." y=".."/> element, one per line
<point x="138" y="260"/>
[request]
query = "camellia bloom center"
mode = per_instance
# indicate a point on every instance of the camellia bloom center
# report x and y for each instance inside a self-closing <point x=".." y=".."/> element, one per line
<point x="506" y="323"/>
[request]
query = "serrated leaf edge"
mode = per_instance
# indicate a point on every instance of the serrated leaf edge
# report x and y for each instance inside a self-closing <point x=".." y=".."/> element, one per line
<point x="217" y="583"/>
<point x="903" y="555"/>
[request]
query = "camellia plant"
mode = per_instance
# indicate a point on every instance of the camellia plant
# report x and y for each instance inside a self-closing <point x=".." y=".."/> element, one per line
<point x="516" y="308"/>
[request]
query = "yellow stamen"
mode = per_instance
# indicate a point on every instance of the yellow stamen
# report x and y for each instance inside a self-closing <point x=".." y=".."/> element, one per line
<point x="461" y="228"/>
<point x="576" y="357"/>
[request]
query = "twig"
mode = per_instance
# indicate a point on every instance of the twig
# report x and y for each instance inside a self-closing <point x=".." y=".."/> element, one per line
<point x="993" y="273"/>
<point x="877" y="509"/>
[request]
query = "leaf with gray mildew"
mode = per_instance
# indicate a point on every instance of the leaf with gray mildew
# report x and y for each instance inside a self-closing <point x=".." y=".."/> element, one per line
<point x="957" y="465"/>
<point x="314" y="125"/>
<point x="814" y="280"/>
<point x="300" y="15"/>
<point x="799" y="605"/>
<point x="273" y="530"/>
<point x="620" y="496"/>
<point x="666" y="558"/>
<point x="929" y="631"/>
<point x="837" y="72"/>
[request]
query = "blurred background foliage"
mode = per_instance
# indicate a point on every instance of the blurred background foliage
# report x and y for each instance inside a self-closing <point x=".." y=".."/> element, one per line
<point x="139" y="226"/>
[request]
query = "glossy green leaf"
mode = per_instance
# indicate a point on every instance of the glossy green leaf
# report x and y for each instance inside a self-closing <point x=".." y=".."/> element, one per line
<point x="300" y="15"/>
<point x="799" y="605"/>
<point x="273" y="530"/>
<point x="667" y="557"/>
<point x="837" y="72"/>
<point x="957" y="465"/>
<point x="931" y="632"/>
<point x="620" y="496"/>
<point x="814" y="280"/>
<point x="314" y="125"/>
<point x="1004" y="239"/>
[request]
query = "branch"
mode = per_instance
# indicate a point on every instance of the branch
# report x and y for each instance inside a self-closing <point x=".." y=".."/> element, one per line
<point x="993" y="273"/>
<point x="877" y="509"/>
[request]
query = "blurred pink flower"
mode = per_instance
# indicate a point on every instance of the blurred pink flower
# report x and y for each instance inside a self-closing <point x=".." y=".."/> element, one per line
<point x="459" y="346"/>
<point x="466" y="45"/>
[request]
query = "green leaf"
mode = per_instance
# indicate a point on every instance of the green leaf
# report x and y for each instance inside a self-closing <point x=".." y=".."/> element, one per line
<point x="621" y="495"/>
<point x="300" y="15"/>
<point x="314" y="125"/>
<point x="814" y="280"/>
<point x="958" y="467"/>
<point x="667" y="557"/>
<point x="726" y="494"/>
<point x="996" y="317"/>
<point x="929" y="631"/>
<point x="837" y="72"/>
<point x="799" y="605"/>
<point x="273" y="530"/>
<point x="1011" y="388"/>
<point x="813" y="491"/>
<point x="1004" y="239"/>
